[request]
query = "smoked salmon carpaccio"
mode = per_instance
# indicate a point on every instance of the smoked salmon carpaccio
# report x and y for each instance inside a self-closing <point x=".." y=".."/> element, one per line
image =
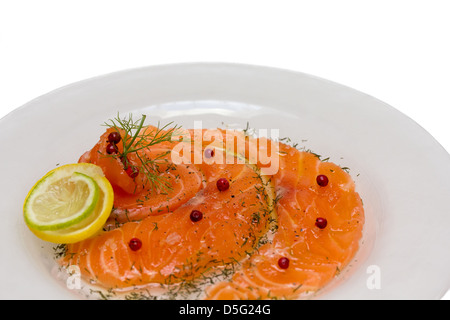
<point x="255" y="224"/>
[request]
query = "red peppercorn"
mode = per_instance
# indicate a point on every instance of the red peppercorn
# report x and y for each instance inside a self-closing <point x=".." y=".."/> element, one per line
<point x="196" y="216"/>
<point x="283" y="263"/>
<point x="321" y="223"/>
<point x="322" y="180"/>
<point x="209" y="153"/>
<point x="111" y="148"/>
<point x="114" y="137"/>
<point x="222" y="184"/>
<point x="132" y="171"/>
<point x="135" y="244"/>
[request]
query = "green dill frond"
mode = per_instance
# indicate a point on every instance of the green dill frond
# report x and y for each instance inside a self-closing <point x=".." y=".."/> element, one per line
<point x="135" y="138"/>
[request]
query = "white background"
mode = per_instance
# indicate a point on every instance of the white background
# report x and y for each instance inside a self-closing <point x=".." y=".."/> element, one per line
<point x="395" y="50"/>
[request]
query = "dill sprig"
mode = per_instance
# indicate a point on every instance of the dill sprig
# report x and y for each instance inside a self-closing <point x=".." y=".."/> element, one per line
<point x="135" y="138"/>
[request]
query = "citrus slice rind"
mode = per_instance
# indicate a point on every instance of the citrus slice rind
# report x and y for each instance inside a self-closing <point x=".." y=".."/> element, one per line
<point x="88" y="227"/>
<point x="91" y="223"/>
<point x="60" y="199"/>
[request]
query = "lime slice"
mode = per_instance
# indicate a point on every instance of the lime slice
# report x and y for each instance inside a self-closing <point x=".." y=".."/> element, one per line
<point x="88" y="227"/>
<point x="90" y="223"/>
<point x="60" y="199"/>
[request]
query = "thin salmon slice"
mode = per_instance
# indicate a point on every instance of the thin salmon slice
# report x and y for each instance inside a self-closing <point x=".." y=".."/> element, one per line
<point x="174" y="248"/>
<point x="315" y="255"/>
<point x="135" y="198"/>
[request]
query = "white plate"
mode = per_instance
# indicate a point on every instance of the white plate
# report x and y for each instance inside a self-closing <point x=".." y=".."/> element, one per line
<point x="401" y="172"/>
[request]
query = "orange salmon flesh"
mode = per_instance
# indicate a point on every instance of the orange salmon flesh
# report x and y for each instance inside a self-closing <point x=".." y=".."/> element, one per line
<point x="234" y="250"/>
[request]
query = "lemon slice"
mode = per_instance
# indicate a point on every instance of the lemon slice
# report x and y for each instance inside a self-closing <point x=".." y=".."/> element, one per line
<point x="91" y="223"/>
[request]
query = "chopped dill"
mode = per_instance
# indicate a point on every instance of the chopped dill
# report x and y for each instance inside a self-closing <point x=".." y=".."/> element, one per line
<point x="298" y="287"/>
<point x="60" y="251"/>
<point x="143" y="295"/>
<point x="108" y="295"/>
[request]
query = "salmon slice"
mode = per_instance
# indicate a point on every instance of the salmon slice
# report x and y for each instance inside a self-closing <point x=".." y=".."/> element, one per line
<point x="135" y="198"/>
<point x="315" y="255"/>
<point x="261" y="218"/>
<point x="174" y="248"/>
